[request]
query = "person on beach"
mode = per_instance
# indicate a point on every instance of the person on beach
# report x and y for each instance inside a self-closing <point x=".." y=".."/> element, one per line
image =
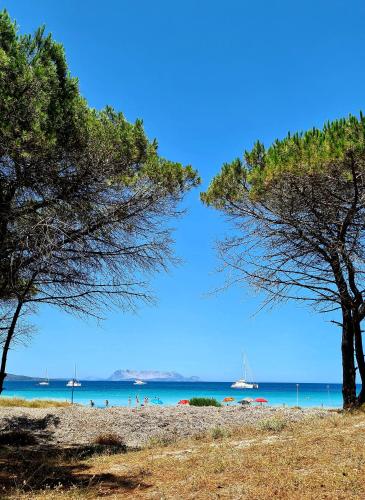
<point x="145" y="401"/>
<point x="137" y="400"/>
<point x="106" y="403"/>
<point x="129" y="401"/>
<point x="92" y="404"/>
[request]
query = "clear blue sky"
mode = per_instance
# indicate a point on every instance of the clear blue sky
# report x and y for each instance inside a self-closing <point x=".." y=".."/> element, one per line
<point x="208" y="78"/>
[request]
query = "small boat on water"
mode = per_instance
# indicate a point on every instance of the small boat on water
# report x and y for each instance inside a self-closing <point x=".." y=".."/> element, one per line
<point x="45" y="381"/>
<point x="73" y="382"/>
<point x="242" y="383"/>
<point x="139" y="382"/>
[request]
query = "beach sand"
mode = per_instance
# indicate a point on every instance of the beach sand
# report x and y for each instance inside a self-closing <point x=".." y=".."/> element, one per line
<point x="78" y="425"/>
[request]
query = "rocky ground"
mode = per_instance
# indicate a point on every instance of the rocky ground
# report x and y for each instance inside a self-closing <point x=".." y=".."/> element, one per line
<point x="78" y="425"/>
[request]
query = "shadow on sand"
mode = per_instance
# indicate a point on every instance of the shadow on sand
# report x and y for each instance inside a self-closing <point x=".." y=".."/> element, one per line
<point x="31" y="461"/>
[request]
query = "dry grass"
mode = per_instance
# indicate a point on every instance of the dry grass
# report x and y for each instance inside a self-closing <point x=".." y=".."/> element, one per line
<point x="109" y="440"/>
<point x="317" y="458"/>
<point x="31" y="403"/>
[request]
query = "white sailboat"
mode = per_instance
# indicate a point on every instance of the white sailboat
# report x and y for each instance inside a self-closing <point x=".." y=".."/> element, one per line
<point x="139" y="382"/>
<point x="242" y="382"/>
<point x="45" y="381"/>
<point x="73" y="382"/>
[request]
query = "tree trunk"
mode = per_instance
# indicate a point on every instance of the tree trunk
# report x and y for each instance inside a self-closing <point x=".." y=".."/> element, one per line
<point x="9" y="338"/>
<point x="348" y="362"/>
<point x="359" y="358"/>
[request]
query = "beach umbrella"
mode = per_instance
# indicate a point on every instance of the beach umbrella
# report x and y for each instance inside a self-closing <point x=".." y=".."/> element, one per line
<point x="261" y="400"/>
<point x="157" y="401"/>
<point x="245" y="401"/>
<point x="228" y="400"/>
<point x="183" y="402"/>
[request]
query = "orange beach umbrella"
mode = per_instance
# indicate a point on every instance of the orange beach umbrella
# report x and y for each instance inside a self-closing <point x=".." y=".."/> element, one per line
<point x="227" y="400"/>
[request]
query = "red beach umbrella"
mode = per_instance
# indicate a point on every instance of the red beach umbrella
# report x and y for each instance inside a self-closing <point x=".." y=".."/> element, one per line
<point x="183" y="402"/>
<point x="261" y="400"/>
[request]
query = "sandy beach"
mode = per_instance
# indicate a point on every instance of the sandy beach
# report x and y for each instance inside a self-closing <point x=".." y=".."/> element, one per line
<point x="79" y="425"/>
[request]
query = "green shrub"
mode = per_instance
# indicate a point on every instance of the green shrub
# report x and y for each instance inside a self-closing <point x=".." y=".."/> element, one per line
<point x="219" y="433"/>
<point x="273" y="424"/>
<point x="204" y="402"/>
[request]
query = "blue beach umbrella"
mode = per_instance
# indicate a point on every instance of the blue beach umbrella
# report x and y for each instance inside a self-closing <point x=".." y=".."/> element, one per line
<point x="156" y="401"/>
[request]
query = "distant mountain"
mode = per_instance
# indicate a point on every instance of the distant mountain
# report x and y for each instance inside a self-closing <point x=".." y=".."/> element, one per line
<point x="151" y="375"/>
<point x="19" y="378"/>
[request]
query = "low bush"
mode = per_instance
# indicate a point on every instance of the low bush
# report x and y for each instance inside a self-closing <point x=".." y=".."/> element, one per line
<point x="109" y="440"/>
<point x="204" y="402"/>
<point x="273" y="424"/>
<point x="107" y="444"/>
<point x="219" y="433"/>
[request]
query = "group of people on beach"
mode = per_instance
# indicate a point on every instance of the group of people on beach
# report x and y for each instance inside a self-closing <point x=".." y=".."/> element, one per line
<point x="145" y="402"/>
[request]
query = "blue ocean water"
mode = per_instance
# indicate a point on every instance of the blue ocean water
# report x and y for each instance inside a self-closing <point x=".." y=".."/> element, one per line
<point x="117" y="393"/>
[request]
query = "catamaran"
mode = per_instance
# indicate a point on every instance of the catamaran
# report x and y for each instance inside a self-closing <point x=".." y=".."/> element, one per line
<point x="242" y="382"/>
<point x="45" y="381"/>
<point x="73" y="382"/>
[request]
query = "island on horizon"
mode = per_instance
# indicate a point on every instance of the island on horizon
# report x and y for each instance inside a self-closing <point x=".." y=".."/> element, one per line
<point x="118" y="376"/>
<point x="150" y="375"/>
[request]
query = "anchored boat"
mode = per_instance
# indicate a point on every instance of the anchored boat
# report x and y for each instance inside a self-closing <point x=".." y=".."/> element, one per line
<point x="139" y="382"/>
<point x="73" y="382"/>
<point x="242" y="383"/>
<point x="45" y="381"/>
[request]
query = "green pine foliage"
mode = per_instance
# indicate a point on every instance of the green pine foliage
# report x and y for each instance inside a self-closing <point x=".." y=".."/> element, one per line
<point x="304" y="153"/>
<point x="56" y="152"/>
<point x="85" y="198"/>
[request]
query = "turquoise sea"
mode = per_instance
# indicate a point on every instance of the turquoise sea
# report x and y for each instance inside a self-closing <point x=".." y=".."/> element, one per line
<point x="117" y="393"/>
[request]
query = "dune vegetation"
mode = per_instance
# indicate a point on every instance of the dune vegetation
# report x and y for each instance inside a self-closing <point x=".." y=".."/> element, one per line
<point x="204" y="402"/>
<point x="31" y="403"/>
<point x="318" y="457"/>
